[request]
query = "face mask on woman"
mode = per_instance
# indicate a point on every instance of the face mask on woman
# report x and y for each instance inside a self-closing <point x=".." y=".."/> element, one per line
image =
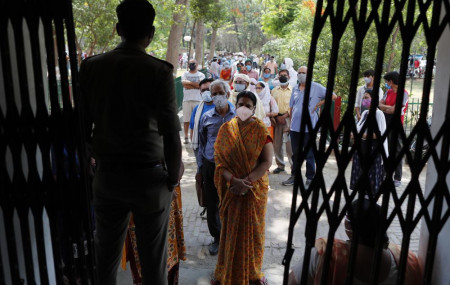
<point x="266" y="75"/>
<point x="239" y="87"/>
<point x="366" y="103"/>
<point x="220" y="101"/>
<point x="244" y="113"/>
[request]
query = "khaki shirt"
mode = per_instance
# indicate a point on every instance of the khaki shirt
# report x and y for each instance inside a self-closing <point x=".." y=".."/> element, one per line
<point x="282" y="96"/>
<point x="129" y="98"/>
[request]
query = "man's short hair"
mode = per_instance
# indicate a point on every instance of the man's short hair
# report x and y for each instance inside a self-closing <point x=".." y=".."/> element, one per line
<point x="220" y="82"/>
<point x="204" y="81"/>
<point x="283" y="70"/>
<point x="393" y="75"/>
<point x="369" y="72"/>
<point x="135" y="18"/>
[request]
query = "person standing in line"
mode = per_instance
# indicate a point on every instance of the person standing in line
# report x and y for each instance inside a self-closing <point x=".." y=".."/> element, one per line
<point x="191" y="94"/>
<point x="266" y="78"/>
<point x="242" y="82"/>
<point x="288" y="65"/>
<point x="387" y="105"/>
<point x="225" y="72"/>
<point x="239" y="58"/>
<point x="316" y="96"/>
<point x="129" y="98"/>
<point x="243" y="156"/>
<point x="206" y="105"/>
<point x="210" y="124"/>
<point x="214" y="68"/>
<point x="273" y="66"/>
<point x="368" y="79"/>
<point x="376" y="170"/>
<point x="269" y="104"/>
<point x="250" y="71"/>
<point x="282" y="95"/>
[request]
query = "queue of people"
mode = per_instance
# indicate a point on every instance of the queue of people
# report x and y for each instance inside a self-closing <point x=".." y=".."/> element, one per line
<point x="282" y="119"/>
<point x="235" y="127"/>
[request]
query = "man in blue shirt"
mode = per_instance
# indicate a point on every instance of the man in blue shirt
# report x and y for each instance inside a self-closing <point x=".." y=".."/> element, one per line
<point x="210" y="124"/>
<point x="204" y="106"/>
<point x="316" y="98"/>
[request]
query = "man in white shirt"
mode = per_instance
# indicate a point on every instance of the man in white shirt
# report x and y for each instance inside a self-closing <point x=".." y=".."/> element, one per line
<point x="368" y="79"/>
<point x="191" y="94"/>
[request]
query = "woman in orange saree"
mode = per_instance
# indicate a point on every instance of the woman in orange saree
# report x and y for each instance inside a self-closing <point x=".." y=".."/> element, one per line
<point x="243" y="154"/>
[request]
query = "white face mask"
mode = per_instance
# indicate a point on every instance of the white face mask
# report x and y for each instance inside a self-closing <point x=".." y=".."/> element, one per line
<point x="367" y="80"/>
<point x="206" y="96"/>
<point x="239" y="87"/>
<point x="301" y="78"/>
<point x="244" y="113"/>
<point x="220" y="101"/>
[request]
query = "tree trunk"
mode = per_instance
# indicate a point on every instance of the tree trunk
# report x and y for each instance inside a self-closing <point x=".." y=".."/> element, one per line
<point x="237" y="33"/>
<point x="391" y="57"/>
<point x="199" y="42"/>
<point x="213" y="43"/>
<point x="192" y="38"/>
<point x="109" y="39"/>
<point x="176" y="32"/>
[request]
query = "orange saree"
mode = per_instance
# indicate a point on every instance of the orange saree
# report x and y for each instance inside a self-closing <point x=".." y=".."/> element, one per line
<point x="241" y="247"/>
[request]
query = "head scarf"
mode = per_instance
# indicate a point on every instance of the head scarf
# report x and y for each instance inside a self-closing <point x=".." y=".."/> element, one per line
<point x="292" y="72"/>
<point x="243" y="77"/>
<point x="264" y="95"/>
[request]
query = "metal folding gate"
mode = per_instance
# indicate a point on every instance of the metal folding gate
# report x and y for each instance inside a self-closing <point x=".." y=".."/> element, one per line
<point x="320" y="201"/>
<point x="45" y="217"/>
<point x="45" y="214"/>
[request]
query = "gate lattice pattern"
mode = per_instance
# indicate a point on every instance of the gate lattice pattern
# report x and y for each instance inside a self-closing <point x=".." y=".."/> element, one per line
<point x="410" y="206"/>
<point x="45" y="221"/>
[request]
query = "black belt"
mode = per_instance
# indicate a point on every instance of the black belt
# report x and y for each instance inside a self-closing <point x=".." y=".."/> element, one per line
<point x="126" y="165"/>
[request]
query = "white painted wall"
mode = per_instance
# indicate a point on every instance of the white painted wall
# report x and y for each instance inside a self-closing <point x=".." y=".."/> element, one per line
<point x="441" y="269"/>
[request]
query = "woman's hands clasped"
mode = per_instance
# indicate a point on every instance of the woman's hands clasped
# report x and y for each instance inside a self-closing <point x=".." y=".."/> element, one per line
<point x="240" y="186"/>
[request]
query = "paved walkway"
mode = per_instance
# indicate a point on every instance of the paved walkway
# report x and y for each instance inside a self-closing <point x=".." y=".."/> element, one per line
<point x="199" y="266"/>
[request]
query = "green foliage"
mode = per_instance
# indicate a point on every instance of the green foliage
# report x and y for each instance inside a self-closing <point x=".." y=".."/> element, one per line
<point x="295" y="41"/>
<point x="163" y="21"/>
<point x="203" y="9"/>
<point x="278" y="15"/>
<point x="94" y="24"/>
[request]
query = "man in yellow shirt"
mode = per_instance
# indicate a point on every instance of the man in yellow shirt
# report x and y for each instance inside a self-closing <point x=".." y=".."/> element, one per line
<point x="282" y="94"/>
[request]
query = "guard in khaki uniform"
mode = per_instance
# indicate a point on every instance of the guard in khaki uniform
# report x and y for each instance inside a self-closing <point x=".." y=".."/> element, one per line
<point x="129" y="98"/>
